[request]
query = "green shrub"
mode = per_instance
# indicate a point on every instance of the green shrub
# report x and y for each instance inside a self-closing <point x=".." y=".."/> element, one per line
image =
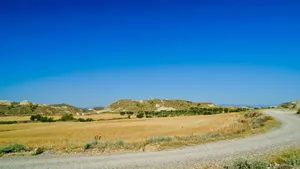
<point x="81" y="119"/>
<point x="89" y="119"/>
<point x="213" y="135"/>
<point x="90" y="144"/>
<point x="159" y="139"/>
<point x="67" y="117"/>
<point x="12" y="148"/>
<point x="293" y="160"/>
<point x="259" y="164"/>
<point x="41" y="118"/>
<point x="298" y="112"/>
<point x="140" y="115"/>
<point x="247" y="164"/>
<point x="119" y="143"/>
<point x="8" y="122"/>
<point x="122" y="113"/>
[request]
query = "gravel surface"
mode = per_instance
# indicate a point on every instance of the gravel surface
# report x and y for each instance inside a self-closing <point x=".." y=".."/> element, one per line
<point x="188" y="157"/>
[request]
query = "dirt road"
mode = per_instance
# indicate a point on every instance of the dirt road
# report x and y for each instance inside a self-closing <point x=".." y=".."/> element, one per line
<point x="188" y="157"/>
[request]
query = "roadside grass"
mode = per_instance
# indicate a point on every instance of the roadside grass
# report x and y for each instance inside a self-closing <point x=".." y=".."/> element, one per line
<point x="12" y="148"/>
<point x="289" y="157"/>
<point x="284" y="159"/>
<point x="137" y="135"/>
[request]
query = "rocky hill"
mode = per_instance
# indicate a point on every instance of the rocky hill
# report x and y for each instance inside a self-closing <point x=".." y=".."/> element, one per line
<point x="154" y="105"/>
<point x="291" y="105"/>
<point x="8" y="108"/>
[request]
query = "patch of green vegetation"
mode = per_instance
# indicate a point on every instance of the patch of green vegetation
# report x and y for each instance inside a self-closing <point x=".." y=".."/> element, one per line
<point x="12" y="148"/>
<point x="248" y="164"/>
<point x="85" y="120"/>
<point x="67" y="117"/>
<point x="8" y="122"/>
<point x="140" y="115"/>
<point x="90" y="144"/>
<point x="41" y="118"/>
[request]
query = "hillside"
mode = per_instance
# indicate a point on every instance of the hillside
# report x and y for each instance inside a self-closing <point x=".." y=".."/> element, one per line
<point x="25" y="107"/>
<point x="291" y="105"/>
<point x="154" y="105"/>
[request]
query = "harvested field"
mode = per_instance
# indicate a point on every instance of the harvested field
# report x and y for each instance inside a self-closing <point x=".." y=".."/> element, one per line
<point x="63" y="135"/>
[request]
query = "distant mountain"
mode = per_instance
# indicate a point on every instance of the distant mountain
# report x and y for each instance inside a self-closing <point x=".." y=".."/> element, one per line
<point x="154" y="105"/>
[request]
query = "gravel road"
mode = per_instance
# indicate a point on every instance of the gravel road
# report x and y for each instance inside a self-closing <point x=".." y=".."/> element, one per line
<point x="187" y="157"/>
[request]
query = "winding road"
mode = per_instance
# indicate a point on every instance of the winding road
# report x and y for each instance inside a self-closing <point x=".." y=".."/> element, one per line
<point x="187" y="157"/>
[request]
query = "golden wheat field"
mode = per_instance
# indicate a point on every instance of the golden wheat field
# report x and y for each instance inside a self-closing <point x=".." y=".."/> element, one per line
<point x="60" y="135"/>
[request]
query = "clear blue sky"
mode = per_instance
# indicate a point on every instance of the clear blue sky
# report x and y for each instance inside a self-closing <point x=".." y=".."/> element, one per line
<point x="92" y="53"/>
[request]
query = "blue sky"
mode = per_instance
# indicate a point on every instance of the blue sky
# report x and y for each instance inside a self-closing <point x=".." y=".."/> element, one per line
<point x="90" y="53"/>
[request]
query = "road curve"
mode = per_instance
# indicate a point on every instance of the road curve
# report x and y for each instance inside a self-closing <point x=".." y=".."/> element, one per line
<point x="187" y="157"/>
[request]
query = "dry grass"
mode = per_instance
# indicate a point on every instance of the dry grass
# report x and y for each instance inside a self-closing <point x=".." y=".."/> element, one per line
<point x="61" y="135"/>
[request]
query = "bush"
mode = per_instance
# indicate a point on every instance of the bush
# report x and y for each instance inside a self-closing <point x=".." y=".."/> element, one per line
<point x="41" y="118"/>
<point x="119" y="143"/>
<point x="8" y="122"/>
<point x="252" y="114"/>
<point x="260" y="121"/>
<point x="293" y="160"/>
<point x="85" y="120"/>
<point x="89" y="119"/>
<point x="67" y="117"/>
<point x="245" y="164"/>
<point x="90" y="144"/>
<point x="12" y="148"/>
<point x="213" y="135"/>
<point x="159" y="139"/>
<point x="298" y="112"/>
<point x="81" y="119"/>
<point x="140" y="115"/>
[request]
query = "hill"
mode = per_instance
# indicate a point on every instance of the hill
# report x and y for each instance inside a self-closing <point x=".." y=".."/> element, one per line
<point x="25" y="107"/>
<point x="291" y="105"/>
<point x="154" y="105"/>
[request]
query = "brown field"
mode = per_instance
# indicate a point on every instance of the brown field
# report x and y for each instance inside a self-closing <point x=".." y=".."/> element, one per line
<point x="95" y="117"/>
<point x="61" y="135"/>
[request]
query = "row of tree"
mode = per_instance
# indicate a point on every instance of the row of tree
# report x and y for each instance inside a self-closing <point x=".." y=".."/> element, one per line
<point x="191" y="111"/>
